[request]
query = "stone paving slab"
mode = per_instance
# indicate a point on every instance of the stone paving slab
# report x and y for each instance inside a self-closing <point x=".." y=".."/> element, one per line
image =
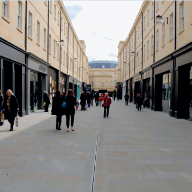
<point x="143" y="151"/>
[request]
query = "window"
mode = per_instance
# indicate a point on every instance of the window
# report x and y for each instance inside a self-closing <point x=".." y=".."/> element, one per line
<point x="138" y="32"/>
<point x="54" y="44"/>
<point x="64" y="58"/>
<point x="61" y="23"/>
<point x="19" y="16"/>
<point x="138" y="58"/>
<point x="144" y="23"/>
<point x="61" y="56"/>
<point x="157" y="40"/>
<point x="49" y="43"/>
<point x="182" y="16"/>
<point x="144" y="53"/>
<point x="44" y="39"/>
<point x="152" y="10"/>
<point x="171" y="23"/>
<point x="163" y="38"/>
<point x="132" y="42"/>
<point x="58" y="18"/>
<point x="152" y="45"/>
<point x="148" y="17"/>
<point x="5" y="8"/>
<point x="29" y="25"/>
<point x="58" y="51"/>
<point x="92" y="84"/>
<point x="64" y="28"/>
<point x="102" y="84"/>
<point x="38" y="27"/>
<point x="54" y="11"/>
<point x="50" y="5"/>
<point x="103" y="66"/>
<point x="157" y="4"/>
<point x="147" y="49"/>
<point x="102" y="73"/>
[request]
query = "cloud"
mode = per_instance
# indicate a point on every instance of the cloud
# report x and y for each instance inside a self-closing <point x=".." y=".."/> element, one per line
<point x="94" y="33"/>
<point x="108" y="39"/>
<point x="112" y="55"/>
<point x="73" y="11"/>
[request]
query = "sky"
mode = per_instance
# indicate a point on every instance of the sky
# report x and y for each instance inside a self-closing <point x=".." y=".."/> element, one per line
<point x="102" y="24"/>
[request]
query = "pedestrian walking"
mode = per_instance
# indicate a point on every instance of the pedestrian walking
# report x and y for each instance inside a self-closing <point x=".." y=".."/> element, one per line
<point x="1" y="100"/>
<point x="106" y="105"/>
<point x="10" y="108"/>
<point x="114" y="95"/>
<point x="139" y="101"/>
<point x="126" y="97"/>
<point x="100" y="100"/>
<point x="77" y="104"/>
<point x="118" y="96"/>
<point x="83" y="100"/>
<point x="146" y="100"/>
<point x="91" y="98"/>
<point x="96" y="98"/>
<point x="57" y="109"/>
<point x="70" y="109"/>
<point x="88" y="96"/>
<point x="46" y="101"/>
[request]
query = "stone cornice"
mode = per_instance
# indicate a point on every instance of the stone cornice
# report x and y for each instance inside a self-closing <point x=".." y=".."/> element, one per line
<point x="31" y="55"/>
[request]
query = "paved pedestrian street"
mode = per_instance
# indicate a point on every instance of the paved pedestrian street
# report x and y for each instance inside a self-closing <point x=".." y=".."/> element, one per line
<point x="143" y="151"/>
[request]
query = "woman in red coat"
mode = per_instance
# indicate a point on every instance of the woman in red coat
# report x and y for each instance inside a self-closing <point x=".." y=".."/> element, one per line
<point x="106" y="104"/>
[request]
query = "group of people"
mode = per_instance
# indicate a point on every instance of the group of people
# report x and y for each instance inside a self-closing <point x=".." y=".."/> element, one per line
<point x="86" y="99"/>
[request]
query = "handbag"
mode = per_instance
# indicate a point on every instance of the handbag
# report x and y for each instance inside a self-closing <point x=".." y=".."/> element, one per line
<point x="64" y="104"/>
<point x="44" y="104"/>
<point x="1" y="117"/>
<point x="86" y="106"/>
<point x="17" y="120"/>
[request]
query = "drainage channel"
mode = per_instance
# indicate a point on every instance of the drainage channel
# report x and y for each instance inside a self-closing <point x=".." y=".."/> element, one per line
<point x="95" y="155"/>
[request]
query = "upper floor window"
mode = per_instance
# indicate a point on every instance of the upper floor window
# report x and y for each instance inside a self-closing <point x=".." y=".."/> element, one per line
<point x="152" y="13"/>
<point x="157" y="2"/>
<point x="44" y="39"/>
<point x="147" y="49"/>
<point x="38" y="30"/>
<point x="148" y="17"/>
<point x="61" y="23"/>
<point x="103" y="66"/>
<point x="19" y="16"/>
<point x="5" y="8"/>
<point x="144" y="53"/>
<point x="29" y="25"/>
<point x="58" y="18"/>
<point x="54" y="11"/>
<point x="182" y="16"/>
<point x="144" y="23"/>
<point x="92" y="84"/>
<point x="102" y="84"/>
<point x="54" y="43"/>
<point x="152" y="43"/>
<point x="157" y="39"/>
<point x="50" y="5"/>
<point x="138" y="32"/>
<point x="49" y="43"/>
<point x="171" y="25"/>
<point x="163" y="32"/>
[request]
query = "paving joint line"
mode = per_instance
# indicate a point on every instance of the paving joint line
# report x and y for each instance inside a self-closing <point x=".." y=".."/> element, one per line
<point x="95" y="156"/>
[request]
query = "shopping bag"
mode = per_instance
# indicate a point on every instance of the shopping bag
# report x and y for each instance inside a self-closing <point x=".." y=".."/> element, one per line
<point x="86" y="106"/>
<point x="17" y="120"/>
<point x="64" y="104"/>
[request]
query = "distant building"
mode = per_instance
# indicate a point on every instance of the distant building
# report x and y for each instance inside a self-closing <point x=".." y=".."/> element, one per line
<point x="103" y="64"/>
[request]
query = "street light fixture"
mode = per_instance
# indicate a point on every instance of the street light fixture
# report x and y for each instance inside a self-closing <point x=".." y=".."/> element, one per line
<point x="159" y="19"/>
<point x="132" y="53"/>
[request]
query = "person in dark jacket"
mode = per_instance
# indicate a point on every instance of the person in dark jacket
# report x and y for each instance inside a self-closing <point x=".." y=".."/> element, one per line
<point x="96" y="98"/>
<point x="47" y="101"/>
<point x="91" y="97"/>
<point x="83" y="100"/>
<point x="126" y="97"/>
<point x="57" y="109"/>
<point x="70" y="109"/>
<point x="139" y="101"/>
<point x="10" y="108"/>
<point x="114" y="95"/>
<point x="1" y="100"/>
<point x="88" y="99"/>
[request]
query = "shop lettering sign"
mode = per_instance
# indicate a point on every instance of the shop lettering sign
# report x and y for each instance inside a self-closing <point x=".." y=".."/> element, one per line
<point x="43" y="69"/>
<point x="137" y="78"/>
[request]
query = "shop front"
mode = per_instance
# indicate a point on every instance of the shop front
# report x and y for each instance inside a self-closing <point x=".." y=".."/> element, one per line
<point x="183" y="87"/>
<point x="71" y="83"/>
<point x="13" y="72"/>
<point x="37" y="82"/>
<point x="147" y="83"/>
<point x="75" y="87"/>
<point x="137" y="85"/>
<point x="63" y="78"/>
<point x="124" y="90"/>
<point x="78" y="90"/>
<point x="163" y="74"/>
<point x="52" y="82"/>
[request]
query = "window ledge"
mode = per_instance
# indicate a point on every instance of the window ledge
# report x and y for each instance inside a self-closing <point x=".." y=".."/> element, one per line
<point x="37" y="44"/>
<point x="19" y="30"/>
<point x="45" y="4"/>
<point x="5" y="19"/>
<point x="55" y="18"/>
<point x="171" y="40"/>
<point x="157" y="50"/>
<point x="181" y="31"/>
<point x="53" y="56"/>
<point x="163" y="46"/>
<point x="30" y="38"/>
<point x="44" y="49"/>
<point x="151" y="18"/>
<point x="49" y="53"/>
<point x="157" y="10"/>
